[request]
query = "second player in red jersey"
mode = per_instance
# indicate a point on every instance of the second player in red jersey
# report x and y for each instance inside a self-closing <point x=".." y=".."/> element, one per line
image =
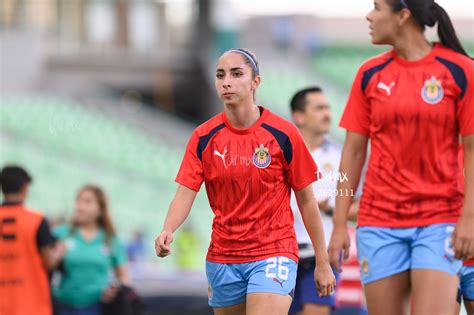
<point x="413" y="103"/>
<point x="407" y="186"/>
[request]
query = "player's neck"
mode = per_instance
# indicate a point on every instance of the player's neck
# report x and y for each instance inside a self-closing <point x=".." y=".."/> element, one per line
<point x="313" y="141"/>
<point x="412" y="46"/>
<point x="242" y="116"/>
<point x="14" y="198"/>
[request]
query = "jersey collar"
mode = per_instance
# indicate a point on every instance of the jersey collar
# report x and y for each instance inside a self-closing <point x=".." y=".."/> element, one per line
<point x="263" y="115"/>
<point x="418" y="62"/>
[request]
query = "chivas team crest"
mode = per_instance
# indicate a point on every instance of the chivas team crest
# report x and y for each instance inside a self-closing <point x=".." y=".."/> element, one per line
<point x="261" y="158"/>
<point x="432" y="91"/>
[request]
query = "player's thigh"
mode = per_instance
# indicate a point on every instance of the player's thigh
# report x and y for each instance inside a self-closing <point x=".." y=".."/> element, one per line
<point x="311" y="309"/>
<point x="238" y="309"/>
<point x="434" y="270"/>
<point x="469" y="306"/>
<point x="434" y="292"/>
<point x="457" y="309"/>
<point x="389" y="296"/>
<point x="262" y="303"/>
<point x="271" y="286"/>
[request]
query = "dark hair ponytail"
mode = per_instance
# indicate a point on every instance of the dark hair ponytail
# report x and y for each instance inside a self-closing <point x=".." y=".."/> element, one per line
<point x="428" y="13"/>
<point x="446" y="32"/>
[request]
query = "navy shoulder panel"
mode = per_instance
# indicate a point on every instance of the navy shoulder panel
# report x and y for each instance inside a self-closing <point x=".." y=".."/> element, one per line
<point x="283" y="140"/>
<point x="369" y="73"/>
<point x="457" y="72"/>
<point x="204" y="140"/>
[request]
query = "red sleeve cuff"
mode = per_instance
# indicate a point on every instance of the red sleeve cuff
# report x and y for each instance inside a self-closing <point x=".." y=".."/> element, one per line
<point x="359" y="130"/>
<point x="307" y="182"/>
<point x="188" y="184"/>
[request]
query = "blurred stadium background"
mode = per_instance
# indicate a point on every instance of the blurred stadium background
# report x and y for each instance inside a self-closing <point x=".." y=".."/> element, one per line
<point x="108" y="91"/>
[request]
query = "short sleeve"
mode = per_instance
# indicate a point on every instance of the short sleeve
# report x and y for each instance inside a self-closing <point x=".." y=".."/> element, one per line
<point x="119" y="256"/>
<point x="190" y="173"/>
<point x="465" y="109"/>
<point x="356" y="116"/>
<point x="302" y="169"/>
<point x="44" y="238"/>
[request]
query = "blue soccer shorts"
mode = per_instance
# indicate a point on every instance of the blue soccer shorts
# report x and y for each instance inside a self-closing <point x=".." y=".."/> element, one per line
<point x="384" y="252"/>
<point x="229" y="284"/>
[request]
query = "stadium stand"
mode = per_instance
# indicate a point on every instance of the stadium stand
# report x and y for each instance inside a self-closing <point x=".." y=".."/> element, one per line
<point x="62" y="143"/>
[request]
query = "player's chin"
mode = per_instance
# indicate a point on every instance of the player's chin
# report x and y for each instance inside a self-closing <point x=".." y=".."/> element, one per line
<point x="376" y="40"/>
<point x="230" y="101"/>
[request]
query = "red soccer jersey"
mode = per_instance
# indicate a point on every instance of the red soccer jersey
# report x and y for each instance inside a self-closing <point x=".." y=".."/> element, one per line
<point x="469" y="262"/>
<point x="248" y="176"/>
<point x="413" y="113"/>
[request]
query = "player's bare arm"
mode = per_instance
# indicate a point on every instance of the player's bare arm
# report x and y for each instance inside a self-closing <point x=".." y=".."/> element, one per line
<point x="353" y="158"/>
<point x="178" y="212"/>
<point x="463" y="236"/>
<point x="308" y="206"/>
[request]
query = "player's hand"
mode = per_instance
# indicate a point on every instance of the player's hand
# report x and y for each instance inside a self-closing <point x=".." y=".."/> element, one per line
<point x="463" y="237"/>
<point x="162" y="243"/>
<point x="324" y="278"/>
<point x="339" y="247"/>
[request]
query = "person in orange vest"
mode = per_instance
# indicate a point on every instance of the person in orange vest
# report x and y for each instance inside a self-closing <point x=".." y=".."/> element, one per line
<point x="27" y="249"/>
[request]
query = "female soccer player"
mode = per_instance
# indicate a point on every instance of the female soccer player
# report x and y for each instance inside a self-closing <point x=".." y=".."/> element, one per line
<point x="412" y="102"/>
<point x="93" y="252"/>
<point x="249" y="160"/>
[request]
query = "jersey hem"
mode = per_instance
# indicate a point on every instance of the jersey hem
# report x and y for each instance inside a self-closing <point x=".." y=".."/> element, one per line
<point x="405" y="224"/>
<point x="469" y="262"/>
<point x="466" y="132"/>
<point x="239" y="260"/>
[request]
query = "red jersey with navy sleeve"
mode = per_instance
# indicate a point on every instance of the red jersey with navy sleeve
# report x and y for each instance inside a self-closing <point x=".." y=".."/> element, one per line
<point x="249" y="174"/>
<point x="413" y="113"/>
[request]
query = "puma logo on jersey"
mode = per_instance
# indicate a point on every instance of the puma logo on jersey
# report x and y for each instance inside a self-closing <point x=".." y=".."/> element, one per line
<point x="221" y="155"/>
<point x="386" y="88"/>
<point x="278" y="281"/>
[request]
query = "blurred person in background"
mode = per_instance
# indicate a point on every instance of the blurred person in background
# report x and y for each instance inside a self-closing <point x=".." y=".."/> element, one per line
<point x="413" y="103"/>
<point x="136" y="249"/>
<point x="249" y="159"/>
<point x="94" y="256"/>
<point x="27" y="249"/>
<point x="311" y="113"/>
<point x="187" y="248"/>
